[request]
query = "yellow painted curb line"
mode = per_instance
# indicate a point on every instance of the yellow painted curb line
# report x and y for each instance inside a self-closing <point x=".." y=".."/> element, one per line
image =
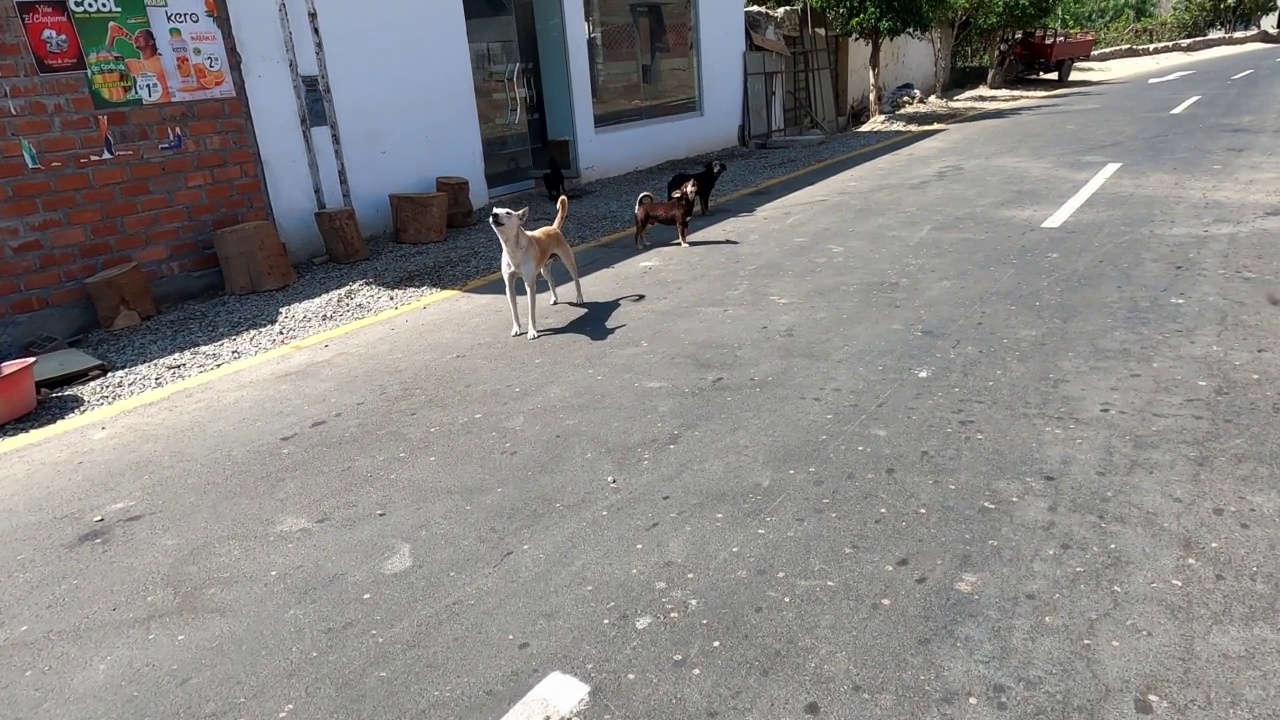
<point x="106" y="412"/>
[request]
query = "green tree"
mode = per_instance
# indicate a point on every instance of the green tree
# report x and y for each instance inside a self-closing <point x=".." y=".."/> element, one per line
<point x="1204" y="16"/>
<point x="875" y="22"/>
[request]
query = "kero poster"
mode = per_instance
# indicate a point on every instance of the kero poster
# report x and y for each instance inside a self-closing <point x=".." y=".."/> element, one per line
<point x="52" y="37"/>
<point x="150" y="52"/>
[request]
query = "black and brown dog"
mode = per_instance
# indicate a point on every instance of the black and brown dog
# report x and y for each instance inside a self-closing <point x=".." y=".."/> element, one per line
<point x="675" y="211"/>
<point x="706" y="180"/>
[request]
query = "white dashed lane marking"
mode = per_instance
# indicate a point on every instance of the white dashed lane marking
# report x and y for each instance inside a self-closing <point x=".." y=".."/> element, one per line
<point x="1184" y="105"/>
<point x="1237" y="76"/>
<point x="557" y="697"/>
<point x="1074" y="203"/>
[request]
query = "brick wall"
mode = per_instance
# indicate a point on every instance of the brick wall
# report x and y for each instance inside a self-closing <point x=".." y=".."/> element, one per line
<point x="63" y="223"/>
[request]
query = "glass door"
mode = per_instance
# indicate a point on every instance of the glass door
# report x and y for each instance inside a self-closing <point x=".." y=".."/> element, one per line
<point x="506" y="94"/>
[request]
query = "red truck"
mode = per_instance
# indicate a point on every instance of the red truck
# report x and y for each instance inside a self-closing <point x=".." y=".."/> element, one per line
<point x="1040" y="51"/>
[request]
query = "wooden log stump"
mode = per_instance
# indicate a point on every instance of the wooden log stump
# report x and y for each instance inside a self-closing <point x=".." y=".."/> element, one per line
<point x="420" y="217"/>
<point x="121" y="296"/>
<point x="252" y="258"/>
<point x="461" y="212"/>
<point x="341" y="233"/>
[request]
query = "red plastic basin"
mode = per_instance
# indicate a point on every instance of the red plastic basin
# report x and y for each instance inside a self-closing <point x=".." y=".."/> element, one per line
<point x="17" y="389"/>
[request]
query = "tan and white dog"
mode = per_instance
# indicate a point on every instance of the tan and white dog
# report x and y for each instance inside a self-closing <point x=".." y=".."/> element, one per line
<point x="528" y="253"/>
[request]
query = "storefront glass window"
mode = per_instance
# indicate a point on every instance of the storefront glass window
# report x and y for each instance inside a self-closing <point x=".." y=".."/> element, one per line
<point x="643" y="57"/>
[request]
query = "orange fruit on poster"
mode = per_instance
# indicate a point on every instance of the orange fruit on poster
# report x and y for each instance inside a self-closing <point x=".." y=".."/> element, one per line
<point x="210" y="9"/>
<point x="208" y="83"/>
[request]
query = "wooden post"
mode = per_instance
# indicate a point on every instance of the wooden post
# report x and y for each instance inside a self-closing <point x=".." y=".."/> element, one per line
<point x="252" y="258"/>
<point x="341" y="232"/>
<point x="121" y="296"/>
<point x="419" y="217"/>
<point x="461" y="212"/>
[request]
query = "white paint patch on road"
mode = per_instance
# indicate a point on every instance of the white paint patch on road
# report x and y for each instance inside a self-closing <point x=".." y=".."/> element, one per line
<point x="1170" y="76"/>
<point x="1083" y="194"/>
<point x="1237" y="76"/>
<point x="1185" y="104"/>
<point x="557" y="697"/>
<point x="398" y="561"/>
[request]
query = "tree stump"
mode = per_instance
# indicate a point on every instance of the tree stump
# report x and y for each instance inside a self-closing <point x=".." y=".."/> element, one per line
<point x="121" y="296"/>
<point x="341" y="233"/>
<point x="420" y="217"/>
<point x="461" y="212"/>
<point x="252" y="258"/>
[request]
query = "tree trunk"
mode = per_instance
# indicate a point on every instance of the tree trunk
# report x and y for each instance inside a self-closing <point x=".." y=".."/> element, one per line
<point x="873" y="68"/>
<point x="121" y="296"/>
<point x="460" y="212"/>
<point x="341" y="234"/>
<point x="420" y="217"/>
<point x="252" y="258"/>
<point x="943" y="49"/>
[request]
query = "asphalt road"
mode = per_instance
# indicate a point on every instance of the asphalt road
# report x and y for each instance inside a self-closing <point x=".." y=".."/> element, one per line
<point x="878" y="446"/>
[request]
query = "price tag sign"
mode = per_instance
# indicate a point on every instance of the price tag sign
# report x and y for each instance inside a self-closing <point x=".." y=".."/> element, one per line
<point x="212" y="62"/>
<point x="148" y="87"/>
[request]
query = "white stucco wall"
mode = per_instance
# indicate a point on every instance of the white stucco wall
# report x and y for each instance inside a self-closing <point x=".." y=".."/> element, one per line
<point x="621" y="149"/>
<point x="902" y="60"/>
<point x="405" y="104"/>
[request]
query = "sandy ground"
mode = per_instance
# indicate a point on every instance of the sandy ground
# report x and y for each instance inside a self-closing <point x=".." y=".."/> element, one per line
<point x="928" y="114"/>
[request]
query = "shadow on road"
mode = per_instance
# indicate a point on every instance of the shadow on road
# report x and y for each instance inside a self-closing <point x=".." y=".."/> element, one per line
<point x="594" y="323"/>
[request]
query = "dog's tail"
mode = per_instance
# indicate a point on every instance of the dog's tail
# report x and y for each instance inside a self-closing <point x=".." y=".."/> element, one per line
<point x="562" y="211"/>
<point x="645" y="197"/>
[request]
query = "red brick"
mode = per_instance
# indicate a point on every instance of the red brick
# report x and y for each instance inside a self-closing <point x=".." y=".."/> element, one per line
<point x="98" y="195"/>
<point x="179" y="164"/>
<point x="67" y="238"/>
<point x="80" y="271"/>
<point x="93" y="249"/>
<point x="110" y="175"/>
<point x="9" y="231"/>
<point x="172" y="216"/>
<point x="31" y="188"/>
<point x="146" y="115"/>
<point x="120" y="209"/>
<point x="44" y="223"/>
<point x="217" y="192"/>
<point x="189" y="247"/>
<point x="242" y="156"/>
<point x="39" y="280"/>
<point x="58" y="203"/>
<point x="256" y="215"/>
<point x="58" y="144"/>
<point x="211" y="110"/>
<point x="135" y="223"/>
<point x="197" y="179"/>
<point x="128" y="242"/>
<point x="26" y="245"/>
<point x="83" y="103"/>
<point x="32" y="126"/>
<point x="66" y="296"/>
<point x="9" y="287"/>
<point x="164" y="235"/>
<point x="25" y="305"/>
<point x="13" y="169"/>
<point x="204" y="262"/>
<point x="188" y="197"/>
<point x="146" y="170"/>
<point x="155" y="202"/>
<point x="230" y="172"/>
<point x="16" y="268"/>
<point x="246" y="187"/>
<point x="202" y="128"/>
<point x="76" y="123"/>
<point x="135" y="189"/>
<point x="232" y="126"/>
<point x="8" y="70"/>
<point x="18" y="208"/>
<point x="151" y="254"/>
<point x="75" y="181"/>
<point x="225" y="221"/>
<point x="10" y="149"/>
<point x="55" y="259"/>
<point x="205" y="211"/>
<point x="212" y="160"/>
<point x="84" y="215"/>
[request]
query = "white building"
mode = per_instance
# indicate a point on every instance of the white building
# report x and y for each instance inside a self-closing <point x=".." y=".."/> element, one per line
<point x="483" y="89"/>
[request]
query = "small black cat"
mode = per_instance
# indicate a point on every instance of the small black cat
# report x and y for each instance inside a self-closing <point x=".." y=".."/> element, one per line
<point x="553" y="179"/>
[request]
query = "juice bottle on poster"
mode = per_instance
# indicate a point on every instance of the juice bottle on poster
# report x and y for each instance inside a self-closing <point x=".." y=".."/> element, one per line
<point x="182" y="60"/>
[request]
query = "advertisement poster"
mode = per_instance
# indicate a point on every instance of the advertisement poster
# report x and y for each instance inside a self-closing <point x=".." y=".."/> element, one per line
<point x="151" y="52"/>
<point x="52" y="37"/>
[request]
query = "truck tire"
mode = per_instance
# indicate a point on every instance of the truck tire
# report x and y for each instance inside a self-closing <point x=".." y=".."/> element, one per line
<point x="1064" y="70"/>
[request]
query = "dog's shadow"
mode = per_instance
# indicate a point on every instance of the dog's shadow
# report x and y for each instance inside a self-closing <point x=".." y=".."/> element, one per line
<point x="675" y="242"/>
<point x="594" y="323"/>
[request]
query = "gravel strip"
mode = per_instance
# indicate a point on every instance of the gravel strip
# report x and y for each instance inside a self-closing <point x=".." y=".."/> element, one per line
<point x="195" y="337"/>
<point x="932" y="112"/>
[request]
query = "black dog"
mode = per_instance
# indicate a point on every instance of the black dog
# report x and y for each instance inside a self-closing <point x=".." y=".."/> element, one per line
<point x="553" y="179"/>
<point x="706" y="182"/>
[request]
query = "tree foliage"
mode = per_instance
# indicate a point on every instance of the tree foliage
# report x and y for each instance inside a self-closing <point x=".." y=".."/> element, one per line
<point x="875" y="22"/>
